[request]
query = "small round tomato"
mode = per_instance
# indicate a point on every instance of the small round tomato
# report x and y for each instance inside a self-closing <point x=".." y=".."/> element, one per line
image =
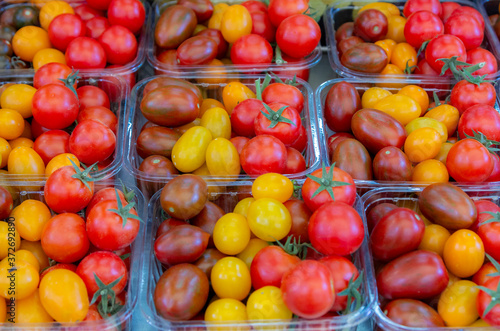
<point x="92" y="141"/>
<point x="242" y="206"/>
<point x="298" y="42"/>
<point x="128" y="13"/>
<point x="469" y="161"/>
<point x="5" y="233"/>
<point x="444" y="46"/>
<point x="46" y="56"/>
<point x="11" y="124"/>
<point x="230" y="278"/>
<point x="64" y="28"/>
<point x="25" y="161"/>
<point x="435" y="237"/>
<point x="263" y="154"/>
<point x="31" y="216"/>
<point x="423" y="122"/>
<point x="413" y="313"/>
<point x="236" y="22"/>
<point x="422" y="144"/>
<point x="446" y="114"/>
<point x="418" y="94"/>
<point x="85" y="53"/>
<point x="24" y="276"/>
<point x="267" y="303"/>
<point x="484" y="300"/>
<point x="55" y="106"/>
<point x="251" y="49"/>
<point x="18" y="97"/>
<point x="272" y="185"/>
<point x="226" y="310"/>
<point x="463" y="253"/>
<point x="119" y="44"/>
<point x="467" y="28"/>
<point x="269" y="219"/>
<point x="52" y="9"/>
<point x="372" y="96"/>
<point x="431" y="171"/>
<point x="60" y="161"/>
<point x="401" y="107"/>
<point x="343" y="272"/>
<point x="197" y="50"/>
<point x="51" y="143"/>
<point x="231" y="234"/>
<point x="29" y="40"/>
<point x="234" y="93"/>
<point x="421" y="27"/>
<point x="395" y="29"/>
<point x="457" y="303"/>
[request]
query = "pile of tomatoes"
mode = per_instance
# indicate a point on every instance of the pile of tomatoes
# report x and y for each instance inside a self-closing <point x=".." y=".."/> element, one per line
<point x="38" y="132"/>
<point x="433" y="259"/>
<point x="380" y="40"/>
<point x="401" y="136"/>
<point x="93" y="35"/>
<point x="256" y="133"/>
<point x="271" y="256"/>
<point x="65" y="255"/>
<point x="197" y="32"/>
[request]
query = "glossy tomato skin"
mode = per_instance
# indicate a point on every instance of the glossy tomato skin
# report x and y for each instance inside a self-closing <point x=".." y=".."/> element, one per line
<point x="444" y="46"/>
<point x="254" y="6"/>
<point x="279" y="10"/>
<point x="51" y="73"/>
<point x="92" y="96"/>
<point x="469" y="161"/>
<point x="6" y="203"/>
<point x="376" y="130"/>
<point x="480" y="118"/>
<point x="284" y="93"/>
<point x="207" y="261"/>
<point x="365" y="57"/>
<point x="263" y="154"/>
<point x="156" y="140"/>
<point x="298" y="35"/>
<point x="371" y="25"/>
<point x="262" y="26"/>
<point x="377" y="213"/>
<point x="422" y="26"/>
<point x="300" y="214"/>
<point x="342" y="271"/>
<point x="251" y="49"/>
<point x="96" y="26"/>
<point x="243" y="117"/>
<point x="415" y="275"/>
<point x="433" y="6"/>
<point x="51" y="143"/>
<point x="197" y="50"/>
<point x="495" y="174"/>
<point x="119" y="44"/>
<point x="467" y="28"/>
<point x="352" y="157"/>
<point x="167" y="225"/>
<point x="92" y="142"/>
<point x="207" y="218"/>
<point x="335" y="139"/>
<point x="336" y="228"/>
<point x="86" y="12"/>
<point x="63" y="29"/>
<point x="347" y="44"/>
<point x="216" y="35"/>
<point x="344" y="31"/>
<point x="175" y="25"/>
<point x="181" y="292"/>
<point x="295" y="161"/>
<point x="490" y="236"/>
<point x="390" y="163"/>
<point x="55" y="106"/>
<point x="100" y="114"/>
<point x="85" y="53"/>
<point x="181" y="244"/>
<point x="484" y="299"/>
<point x="478" y="55"/>
<point x="287" y="133"/>
<point x="341" y="102"/>
<point x="184" y="196"/>
<point x="105" y="194"/>
<point x="129" y="13"/>
<point x="465" y="95"/>
<point x="400" y="231"/>
<point x="202" y="8"/>
<point x="448" y="9"/>
<point x="413" y="313"/>
<point x="269" y="265"/>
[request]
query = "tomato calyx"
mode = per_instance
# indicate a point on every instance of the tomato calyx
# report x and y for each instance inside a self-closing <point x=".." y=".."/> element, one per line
<point x="261" y="87"/>
<point x="423" y="47"/>
<point x="276" y="117"/>
<point x="71" y="80"/>
<point x="315" y="9"/>
<point x="107" y="305"/>
<point x="124" y="256"/>
<point x="437" y="102"/>
<point x="480" y="137"/>
<point x="17" y="63"/>
<point x="326" y="182"/>
<point x="278" y="59"/>
<point x="409" y="68"/>
<point x="494" y="294"/>
<point x="128" y="194"/>
<point x="452" y="64"/>
<point x="494" y="219"/>
<point x="295" y="248"/>
<point x="292" y="82"/>
<point x="495" y="264"/>
<point x="352" y="291"/>
<point x="124" y="211"/>
<point x="83" y="176"/>
<point x="476" y="80"/>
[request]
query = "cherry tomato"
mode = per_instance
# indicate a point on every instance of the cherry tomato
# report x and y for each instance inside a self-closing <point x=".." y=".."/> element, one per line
<point x="119" y="45"/>
<point x="231" y="234"/>
<point x="85" y="53"/>
<point x="230" y="278"/>
<point x="251" y="49"/>
<point x="457" y="304"/>
<point x="469" y="161"/>
<point x="55" y="106"/>
<point x="128" y="13"/>
<point x="298" y="35"/>
<point x="236" y="22"/>
<point x="463" y="253"/>
<point x="269" y="219"/>
<point x="422" y="26"/>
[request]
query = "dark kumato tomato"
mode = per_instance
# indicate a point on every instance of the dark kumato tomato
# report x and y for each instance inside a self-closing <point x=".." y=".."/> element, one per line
<point x="365" y="57"/>
<point x="175" y="25"/>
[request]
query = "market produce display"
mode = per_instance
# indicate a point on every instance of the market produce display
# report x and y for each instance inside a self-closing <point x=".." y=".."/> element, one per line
<point x="387" y="38"/>
<point x="445" y="245"/>
<point x="83" y="35"/>
<point x="281" y="253"/>
<point x="47" y="122"/>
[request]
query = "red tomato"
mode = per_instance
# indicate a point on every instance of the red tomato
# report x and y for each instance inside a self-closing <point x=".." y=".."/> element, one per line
<point x="37" y="129"/>
<point x="239" y="142"/>
<point x="279" y="120"/>
<point x="280" y="9"/>
<point x="243" y="117"/>
<point x="99" y="5"/>
<point x="448" y="8"/>
<point x="91" y="96"/>
<point x="85" y="53"/>
<point x="301" y="143"/>
<point x="202" y="8"/>
<point x="254" y="6"/>
<point x="469" y="161"/>
<point x="119" y="44"/>
<point x="422" y="26"/>
<point x="481" y="277"/>
<point x="377" y="213"/>
<point x="467" y="28"/>
<point x="495" y="174"/>
<point x="167" y="225"/>
<point x="96" y="26"/>
<point x="298" y="35"/>
<point x="216" y="35"/>
<point x="107" y="194"/>
<point x="465" y="95"/>
<point x="423" y="68"/>
<point x="335" y="139"/>
<point x="51" y="73"/>
<point x="490" y="235"/>
<point x="128" y="13"/>
<point x="64" y="238"/>
<point x="262" y="25"/>
<point x="412" y="6"/>
<point x="478" y="55"/>
<point x="55" y="106"/>
<point x="480" y="118"/>
<point x="342" y="271"/>
<point x="481" y="207"/>
<point x="413" y="313"/>
<point x="86" y="12"/>
<point x="92" y="142"/>
<point x="295" y="162"/>
<point x="263" y="154"/>
<point x="269" y="265"/>
<point x="51" y="143"/>
<point x="65" y="28"/>
<point x="484" y="300"/>
<point x="284" y="93"/>
<point x="6" y="203"/>
<point x="251" y="49"/>
<point x="466" y="10"/>
<point x="444" y="46"/>
<point x="99" y="114"/>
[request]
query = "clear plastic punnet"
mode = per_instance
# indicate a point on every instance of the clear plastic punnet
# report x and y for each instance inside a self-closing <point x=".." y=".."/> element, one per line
<point x="119" y="321"/>
<point x="212" y="90"/>
<point x="341" y="12"/>
<point x="160" y="68"/>
<point x="408" y="197"/>
<point x="117" y="91"/>
<point x="442" y="89"/>
<point x="227" y="198"/>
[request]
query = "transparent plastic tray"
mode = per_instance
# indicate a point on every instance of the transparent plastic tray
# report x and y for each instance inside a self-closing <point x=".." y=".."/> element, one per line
<point x="227" y="199"/>
<point x="136" y="120"/>
<point x="340" y="13"/>
<point x="128" y="68"/>
<point x="160" y="5"/>
<point x="442" y="88"/>
<point x="409" y="197"/>
<point x="118" y="97"/>
<point x="120" y="320"/>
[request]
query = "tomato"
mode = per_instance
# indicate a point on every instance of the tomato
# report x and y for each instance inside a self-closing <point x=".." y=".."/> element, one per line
<point x="242" y="206"/>
<point x="269" y="265"/>
<point x="60" y="161"/>
<point x="463" y="253"/>
<point x="208" y="259"/>
<point x="92" y="96"/>
<point x="459" y="297"/>
<point x="390" y="163"/>
<point x="280" y="121"/>
<point x="99" y="114"/>
<point x="298" y="35"/>
<point x="272" y="185"/>
<point x="63" y="29"/>
<point x="202" y="8"/>
<point x="351" y="156"/>
<point x="85" y="53"/>
<point x="184" y="196"/>
<point x="243" y="117"/>
<point x="377" y="213"/>
<point x="484" y="299"/>
<point x="344" y="31"/>
<point x="469" y="161"/>
<point x="24" y="276"/>
<point x="55" y="106"/>
<point x="308" y="289"/>
<point x="376" y="129"/>
<point x="25" y="161"/>
<point x="11" y="124"/>
<point x="217" y="121"/>
<point x="432" y="6"/>
<point x="434" y="238"/>
<point x="234" y="93"/>
<point x="46" y="56"/>
<point x="6" y="203"/>
<point x="422" y="26"/>
<point x="343" y="271"/>
<point x="448" y="9"/>
<point x="119" y="45"/>
<point x="224" y="310"/>
<point x="230" y="278"/>
<point x="51" y="73"/>
<point x="236" y="22"/>
<point x="444" y="46"/>
<point x="413" y="313"/>
<point x="175" y="25"/>
<point x="372" y="96"/>
<point x="18" y="97"/>
<point x="30" y="310"/>
<point x="262" y="25"/>
<point x="51" y="143"/>
<point x="255" y="245"/>
<point x="395" y="30"/>
<point x="64" y="296"/>
<point x="446" y="114"/>
<point x="480" y="118"/>
<point x="415" y="275"/>
<point x="341" y="102"/>
<point x="156" y="140"/>
<point x="422" y="144"/>
<point x="350" y="42"/>
<point x="267" y="303"/>
<point x="269" y="219"/>
<point x="188" y="153"/>
<point x="281" y="9"/>
<point x="88" y="11"/>
<point x="207" y="218"/>
<point x="430" y="171"/>
<point x="418" y="94"/>
<point x="5" y="233"/>
<point x="387" y="45"/>
<point x="388" y="9"/>
<point x="231" y="234"/>
<point x="263" y="154"/>
<point x="197" y="50"/>
<point x="6" y="148"/>
<point x="371" y="25"/>
<point x="365" y="57"/>
<point x="129" y="13"/>
<point x="170" y="247"/>
<point x="401" y="107"/>
<point x="28" y="41"/>
<point x="31" y="216"/>
<point x="465" y="95"/>
<point x="489" y="232"/>
<point x="92" y="141"/>
<point x="478" y="55"/>
<point x="251" y="49"/>
<point x="96" y="26"/>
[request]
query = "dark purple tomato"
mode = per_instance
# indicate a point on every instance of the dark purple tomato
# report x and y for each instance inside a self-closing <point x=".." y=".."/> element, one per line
<point x="181" y="244"/>
<point x="207" y="218"/>
<point x="413" y="313"/>
<point x="377" y="213"/>
<point x="371" y="25"/>
<point x="342" y="101"/>
<point x="184" y="196"/>
<point x="352" y="157"/>
<point x="175" y="25"/>
<point x="156" y="140"/>
<point x="392" y="164"/>
<point x="202" y="8"/>
<point x="365" y="57"/>
<point x="197" y="50"/>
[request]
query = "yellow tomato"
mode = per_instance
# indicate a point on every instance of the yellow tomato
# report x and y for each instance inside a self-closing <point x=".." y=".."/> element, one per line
<point x="254" y="246"/>
<point x="391" y="69"/>
<point x="236" y="22"/>
<point x="3" y="309"/>
<point x="267" y="303"/>
<point x="60" y="161"/>
<point x="430" y="171"/>
<point x="30" y="310"/>
<point x="479" y="323"/>
<point x="210" y="103"/>
<point x="373" y="95"/>
<point x="48" y="55"/>
<point x="31" y="216"/>
<point x="457" y="304"/>
<point x="25" y="161"/>
<point x="226" y="310"/>
<point x="21" y="142"/>
<point x="269" y="219"/>
<point x="446" y="114"/>
<point x="401" y="107"/>
<point x="214" y="74"/>
<point x="217" y="121"/>
<point x="220" y="8"/>
<point x="28" y="41"/>
<point x="5" y="149"/>
<point x="396" y="29"/>
<point x="230" y="278"/>
<point x="8" y="230"/>
<point x="435" y="237"/>
<point x="26" y="256"/>
<point x="51" y="10"/>
<point x="418" y="94"/>
<point x="18" y="97"/>
<point x="425" y="122"/>
<point x="35" y="247"/>
<point x="23" y="275"/>
<point x="64" y="296"/>
<point x="387" y="45"/>
<point x="422" y="144"/>
<point x="443" y="152"/>
<point x="27" y="131"/>
<point x="404" y="56"/>
<point x="242" y="206"/>
<point x="11" y="124"/>
<point x="384" y="7"/>
<point x="231" y="234"/>
<point x="188" y="153"/>
<point x="215" y="20"/>
<point x="222" y="158"/>
<point x="272" y="185"/>
<point x="234" y="93"/>
<point x="463" y="253"/>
